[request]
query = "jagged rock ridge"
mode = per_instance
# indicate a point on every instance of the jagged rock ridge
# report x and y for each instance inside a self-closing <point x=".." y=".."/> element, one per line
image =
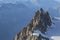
<point x="40" y="22"/>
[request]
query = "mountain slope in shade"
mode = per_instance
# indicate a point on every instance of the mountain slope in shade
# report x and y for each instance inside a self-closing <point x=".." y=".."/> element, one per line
<point x="54" y="32"/>
<point x="13" y="17"/>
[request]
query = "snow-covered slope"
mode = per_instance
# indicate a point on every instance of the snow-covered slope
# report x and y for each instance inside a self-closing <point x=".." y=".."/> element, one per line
<point x="54" y="31"/>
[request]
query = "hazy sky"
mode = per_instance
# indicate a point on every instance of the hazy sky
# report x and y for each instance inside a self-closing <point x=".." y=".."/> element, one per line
<point x="21" y="0"/>
<point x="35" y="2"/>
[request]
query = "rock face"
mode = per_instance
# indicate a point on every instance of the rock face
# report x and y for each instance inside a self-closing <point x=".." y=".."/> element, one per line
<point x="40" y="22"/>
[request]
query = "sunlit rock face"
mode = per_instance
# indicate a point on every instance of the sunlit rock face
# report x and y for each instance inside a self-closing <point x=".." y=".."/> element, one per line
<point x="40" y="22"/>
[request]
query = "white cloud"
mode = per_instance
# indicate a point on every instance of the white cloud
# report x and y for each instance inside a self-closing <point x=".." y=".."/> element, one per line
<point x="23" y="0"/>
<point x="35" y="2"/>
<point x="57" y="0"/>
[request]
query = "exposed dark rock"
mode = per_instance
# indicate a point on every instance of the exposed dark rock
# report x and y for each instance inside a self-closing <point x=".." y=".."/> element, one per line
<point x="40" y="22"/>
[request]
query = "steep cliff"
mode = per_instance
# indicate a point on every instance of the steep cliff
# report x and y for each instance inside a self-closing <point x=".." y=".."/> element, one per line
<point x="36" y="29"/>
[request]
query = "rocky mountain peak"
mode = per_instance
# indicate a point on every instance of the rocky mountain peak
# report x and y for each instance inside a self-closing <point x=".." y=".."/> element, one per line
<point x="37" y="27"/>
